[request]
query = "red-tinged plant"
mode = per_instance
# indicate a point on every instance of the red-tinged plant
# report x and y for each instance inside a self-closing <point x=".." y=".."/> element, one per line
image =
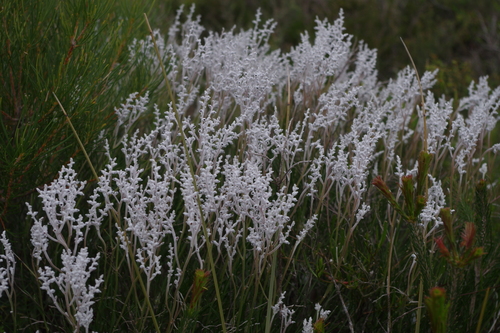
<point x="424" y="161"/>
<point x="409" y="194"/>
<point x="379" y="183"/>
<point x="414" y="190"/>
<point x="319" y="326"/>
<point x="199" y="286"/>
<point x="442" y="248"/>
<point x="445" y="215"/>
<point x="467" y="253"/>
<point x="437" y="308"/>
<point x="468" y="235"/>
<point x="382" y="186"/>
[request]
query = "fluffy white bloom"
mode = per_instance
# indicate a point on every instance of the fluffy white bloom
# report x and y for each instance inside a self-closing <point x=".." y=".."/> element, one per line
<point x="436" y="200"/>
<point x="362" y="211"/>
<point x="65" y="227"/>
<point x="307" y="326"/>
<point x="322" y="314"/>
<point x="495" y="148"/>
<point x="241" y="69"/>
<point x="230" y="162"/>
<point x="193" y="218"/>
<point x="7" y="272"/>
<point x="397" y="100"/>
<point x="483" y="170"/>
<point x="285" y="312"/>
<point x="438" y="115"/>
<point x="365" y="72"/>
<point x="130" y="111"/>
<point x="72" y="282"/>
<point x="143" y="53"/>
<point x="308" y="226"/>
<point x="39" y="235"/>
<point x="59" y="205"/>
<point x="326" y="58"/>
<point x="482" y="105"/>
<point x="148" y="203"/>
<point x="335" y="105"/>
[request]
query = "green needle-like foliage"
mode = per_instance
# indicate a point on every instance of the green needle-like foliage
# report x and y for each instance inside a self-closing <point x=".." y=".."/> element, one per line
<point x="73" y="49"/>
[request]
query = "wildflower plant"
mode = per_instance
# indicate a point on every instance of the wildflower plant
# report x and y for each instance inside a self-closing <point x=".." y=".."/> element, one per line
<point x="251" y="185"/>
<point x="453" y="256"/>
<point x="438" y="309"/>
<point x="68" y="231"/>
<point x="7" y="272"/>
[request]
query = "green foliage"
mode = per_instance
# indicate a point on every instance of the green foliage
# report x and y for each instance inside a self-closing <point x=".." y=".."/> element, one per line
<point x="74" y="49"/>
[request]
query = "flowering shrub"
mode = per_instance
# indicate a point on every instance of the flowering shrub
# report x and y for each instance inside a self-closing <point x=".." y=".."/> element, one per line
<point x="257" y="174"/>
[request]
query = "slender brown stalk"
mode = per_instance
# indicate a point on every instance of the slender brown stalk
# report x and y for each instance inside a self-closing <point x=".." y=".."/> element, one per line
<point x="77" y="138"/>
<point x="421" y="96"/>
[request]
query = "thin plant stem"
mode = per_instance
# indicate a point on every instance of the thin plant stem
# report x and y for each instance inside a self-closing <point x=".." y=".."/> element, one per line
<point x="244" y="288"/>
<point x="137" y="273"/>
<point x="421" y="286"/>
<point x="419" y="307"/>
<point x="389" y="268"/>
<point x="483" y="308"/>
<point x="351" y="326"/>
<point x="91" y="166"/>
<point x="77" y="138"/>
<point x="271" y="292"/>
<point x="143" y="287"/>
<point x="421" y="95"/>
<point x="289" y="101"/>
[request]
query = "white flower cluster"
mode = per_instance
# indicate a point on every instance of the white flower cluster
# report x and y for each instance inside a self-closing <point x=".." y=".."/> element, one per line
<point x="7" y="273"/>
<point x="240" y="167"/>
<point x="65" y="227"/>
<point x="285" y="313"/>
<point x="321" y="314"/>
<point x="72" y="282"/>
<point x="482" y="105"/>
<point x="130" y="111"/>
<point x="436" y="200"/>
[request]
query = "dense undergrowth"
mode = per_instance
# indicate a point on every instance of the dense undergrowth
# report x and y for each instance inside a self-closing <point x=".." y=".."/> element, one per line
<point x="245" y="189"/>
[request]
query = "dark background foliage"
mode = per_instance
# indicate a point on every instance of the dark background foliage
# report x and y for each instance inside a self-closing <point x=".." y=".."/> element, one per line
<point x="461" y="37"/>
